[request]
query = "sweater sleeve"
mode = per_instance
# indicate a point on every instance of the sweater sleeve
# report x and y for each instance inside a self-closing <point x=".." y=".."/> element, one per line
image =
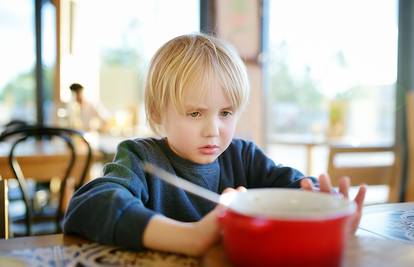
<point x="264" y="172"/>
<point x="111" y="209"/>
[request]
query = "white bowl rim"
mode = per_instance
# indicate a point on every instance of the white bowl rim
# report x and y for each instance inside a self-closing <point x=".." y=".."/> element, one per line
<point x="347" y="208"/>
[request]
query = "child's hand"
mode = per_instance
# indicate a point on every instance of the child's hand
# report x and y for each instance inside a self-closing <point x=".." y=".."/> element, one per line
<point x="207" y="229"/>
<point x="344" y="184"/>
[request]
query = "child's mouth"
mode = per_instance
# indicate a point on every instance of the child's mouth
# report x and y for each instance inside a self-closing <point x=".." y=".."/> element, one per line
<point x="209" y="150"/>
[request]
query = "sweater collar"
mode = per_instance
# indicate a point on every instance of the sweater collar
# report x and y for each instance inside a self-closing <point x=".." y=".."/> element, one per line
<point x="186" y="164"/>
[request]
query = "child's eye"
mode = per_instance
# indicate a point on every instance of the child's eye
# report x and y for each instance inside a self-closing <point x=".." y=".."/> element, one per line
<point x="194" y="114"/>
<point x="226" y="113"/>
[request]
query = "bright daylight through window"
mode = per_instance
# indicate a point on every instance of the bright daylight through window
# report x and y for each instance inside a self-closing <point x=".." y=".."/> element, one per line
<point x="332" y="70"/>
<point x="112" y="50"/>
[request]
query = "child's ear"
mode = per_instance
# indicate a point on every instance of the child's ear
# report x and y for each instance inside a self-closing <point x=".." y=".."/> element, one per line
<point x="156" y="117"/>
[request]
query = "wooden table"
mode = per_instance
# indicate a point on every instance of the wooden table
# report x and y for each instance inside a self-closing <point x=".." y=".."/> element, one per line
<point x="63" y="250"/>
<point x="390" y="221"/>
<point x="44" y="161"/>
<point x="361" y="251"/>
<point x="41" y="160"/>
<point x="384" y="239"/>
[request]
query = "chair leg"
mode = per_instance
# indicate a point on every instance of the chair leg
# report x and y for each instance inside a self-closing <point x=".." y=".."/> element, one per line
<point x="4" y="212"/>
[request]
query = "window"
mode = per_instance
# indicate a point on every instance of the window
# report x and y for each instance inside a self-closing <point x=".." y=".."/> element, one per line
<point x="48" y="16"/>
<point x="111" y="51"/>
<point x="17" y="76"/>
<point x="332" y="75"/>
<point x="333" y="69"/>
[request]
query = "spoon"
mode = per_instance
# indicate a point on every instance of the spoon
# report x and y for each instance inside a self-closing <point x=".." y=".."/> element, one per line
<point x="184" y="184"/>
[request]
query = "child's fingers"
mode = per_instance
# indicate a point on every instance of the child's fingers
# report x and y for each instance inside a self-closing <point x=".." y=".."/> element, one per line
<point x="229" y="195"/>
<point x="344" y="184"/>
<point x="241" y="189"/>
<point x="325" y="184"/>
<point x="228" y="189"/>
<point x="238" y="189"/>
<point x="359" y="199"/>
<point x="306" y="184"/>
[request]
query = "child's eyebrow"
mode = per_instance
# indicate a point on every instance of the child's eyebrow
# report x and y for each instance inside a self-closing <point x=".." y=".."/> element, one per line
<point x="192" y="107"/>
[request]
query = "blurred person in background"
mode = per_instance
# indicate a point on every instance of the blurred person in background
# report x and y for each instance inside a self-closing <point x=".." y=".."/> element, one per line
<point x="84" y="115"/>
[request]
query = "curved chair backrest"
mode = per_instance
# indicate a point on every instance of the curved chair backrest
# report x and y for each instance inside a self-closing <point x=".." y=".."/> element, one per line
<point x="361" y="170"/>
<point x="24" y="133"/>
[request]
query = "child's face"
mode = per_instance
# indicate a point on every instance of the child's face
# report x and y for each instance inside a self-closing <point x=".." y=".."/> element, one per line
<point x="206" y="127"/>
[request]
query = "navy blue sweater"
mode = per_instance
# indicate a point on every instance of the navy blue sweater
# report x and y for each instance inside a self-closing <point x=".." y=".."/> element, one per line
<point x="116" y="208"/>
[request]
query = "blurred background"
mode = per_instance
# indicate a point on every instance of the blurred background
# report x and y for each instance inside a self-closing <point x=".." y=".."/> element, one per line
<point x="322" y="72"/>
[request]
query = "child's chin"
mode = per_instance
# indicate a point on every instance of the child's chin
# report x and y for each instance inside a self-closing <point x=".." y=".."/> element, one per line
<point x="205" y="160"/>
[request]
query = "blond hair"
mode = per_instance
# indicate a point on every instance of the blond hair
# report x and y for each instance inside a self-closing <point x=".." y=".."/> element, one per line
<point x="188" y="60"/>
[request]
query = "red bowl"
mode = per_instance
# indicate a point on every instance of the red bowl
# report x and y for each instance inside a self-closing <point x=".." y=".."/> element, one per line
<point x="285" y="227"/>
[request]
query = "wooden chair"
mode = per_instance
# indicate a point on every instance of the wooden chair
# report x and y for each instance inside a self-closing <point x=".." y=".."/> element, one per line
<point x="409" y="189"/>
<point x="4" y="218"/>
<point x="355" y="164"/>
<point x="33" y="135"/>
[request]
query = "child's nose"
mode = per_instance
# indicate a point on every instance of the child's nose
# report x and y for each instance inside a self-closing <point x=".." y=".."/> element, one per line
<point x="211" y="127"/>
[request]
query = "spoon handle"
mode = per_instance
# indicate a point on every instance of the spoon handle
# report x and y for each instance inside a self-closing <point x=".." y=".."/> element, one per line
<point x="182" y="183"/>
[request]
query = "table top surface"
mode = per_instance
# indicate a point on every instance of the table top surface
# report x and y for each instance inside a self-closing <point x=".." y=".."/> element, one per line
<point x="390" y="221"/>
<point x="365" y="249"/>
<point x="63" y="250"/>
<point x="104" y="143"/>
<point x="36" y="156"/>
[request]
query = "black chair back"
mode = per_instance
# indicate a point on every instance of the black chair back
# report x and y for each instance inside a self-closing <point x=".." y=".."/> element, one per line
<point x="21" y="134"/>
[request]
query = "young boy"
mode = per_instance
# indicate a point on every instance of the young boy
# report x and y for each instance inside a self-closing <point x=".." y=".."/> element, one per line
<point x="196" y="88"/>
